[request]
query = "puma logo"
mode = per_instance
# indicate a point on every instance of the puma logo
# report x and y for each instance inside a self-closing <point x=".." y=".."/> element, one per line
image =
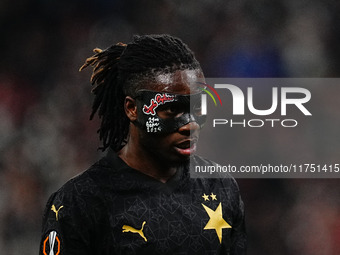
<point x="127" y="228"/>
<point x="54" y="209"/>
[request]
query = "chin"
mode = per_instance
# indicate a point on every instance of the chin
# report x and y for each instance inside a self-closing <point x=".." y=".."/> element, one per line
<point x="179" y="160"/>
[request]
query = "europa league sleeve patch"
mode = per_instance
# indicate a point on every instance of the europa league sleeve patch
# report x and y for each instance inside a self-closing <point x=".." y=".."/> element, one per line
<point x="51" y="244"/>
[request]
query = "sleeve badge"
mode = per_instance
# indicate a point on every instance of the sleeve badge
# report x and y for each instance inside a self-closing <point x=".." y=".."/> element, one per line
<point x="51" y="244"/>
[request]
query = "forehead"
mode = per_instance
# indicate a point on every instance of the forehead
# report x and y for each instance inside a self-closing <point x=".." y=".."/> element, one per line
<point x="178" y="82"/>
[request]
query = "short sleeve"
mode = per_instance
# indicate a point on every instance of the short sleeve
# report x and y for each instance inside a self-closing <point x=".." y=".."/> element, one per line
<point x="71" y="220"/>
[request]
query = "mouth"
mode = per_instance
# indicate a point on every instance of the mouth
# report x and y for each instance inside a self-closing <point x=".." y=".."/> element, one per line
<point x="187" y="147"/>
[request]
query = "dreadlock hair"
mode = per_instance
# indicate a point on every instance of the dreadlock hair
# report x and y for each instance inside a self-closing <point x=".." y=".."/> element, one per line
<point x="122" y="69"/>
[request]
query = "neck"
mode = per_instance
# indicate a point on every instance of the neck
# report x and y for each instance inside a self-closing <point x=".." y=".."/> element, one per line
<point x="140" y="159"/>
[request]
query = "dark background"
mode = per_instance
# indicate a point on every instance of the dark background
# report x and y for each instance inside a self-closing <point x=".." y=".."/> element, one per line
<point x="46" y="137"/>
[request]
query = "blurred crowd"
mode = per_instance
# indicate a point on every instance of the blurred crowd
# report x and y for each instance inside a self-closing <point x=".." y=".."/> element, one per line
<point x="46" y="136"/>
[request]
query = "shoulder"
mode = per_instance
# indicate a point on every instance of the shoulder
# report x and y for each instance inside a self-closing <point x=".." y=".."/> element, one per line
<point x="77" y="196"/>
<point x="89" y="182"/>
<point x="82" y="184"/>
<point x="85" y="191"/>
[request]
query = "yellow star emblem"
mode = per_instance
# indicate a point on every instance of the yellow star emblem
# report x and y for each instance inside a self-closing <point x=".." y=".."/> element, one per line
<point x="216" y="220"/>
<point x="213" y="196"/>
<point x="206" y="197"/>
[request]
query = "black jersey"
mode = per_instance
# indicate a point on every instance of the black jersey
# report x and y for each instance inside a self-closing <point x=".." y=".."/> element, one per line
<point x="114" y="209"/>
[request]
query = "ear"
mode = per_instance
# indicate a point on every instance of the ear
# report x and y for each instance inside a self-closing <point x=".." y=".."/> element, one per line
<point x="130" y="108"/>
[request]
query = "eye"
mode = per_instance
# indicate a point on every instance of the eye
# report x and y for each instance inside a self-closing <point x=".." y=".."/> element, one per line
<point x="170" y="110"/>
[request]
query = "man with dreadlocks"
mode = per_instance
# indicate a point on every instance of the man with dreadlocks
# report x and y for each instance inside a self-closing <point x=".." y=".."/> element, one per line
<point x="139" y="198"/>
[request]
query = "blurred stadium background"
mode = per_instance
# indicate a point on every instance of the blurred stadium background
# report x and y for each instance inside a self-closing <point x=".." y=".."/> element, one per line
<point x="46" y="138"/>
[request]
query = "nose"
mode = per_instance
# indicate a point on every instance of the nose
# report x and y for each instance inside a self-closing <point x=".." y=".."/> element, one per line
<point x="189" y="127"/>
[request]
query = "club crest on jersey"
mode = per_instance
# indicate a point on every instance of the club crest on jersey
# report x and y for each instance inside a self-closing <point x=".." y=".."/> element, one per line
<point x="216" y="221"/>
<point x="51" y="244"/>
<point x="159" y="99"/>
